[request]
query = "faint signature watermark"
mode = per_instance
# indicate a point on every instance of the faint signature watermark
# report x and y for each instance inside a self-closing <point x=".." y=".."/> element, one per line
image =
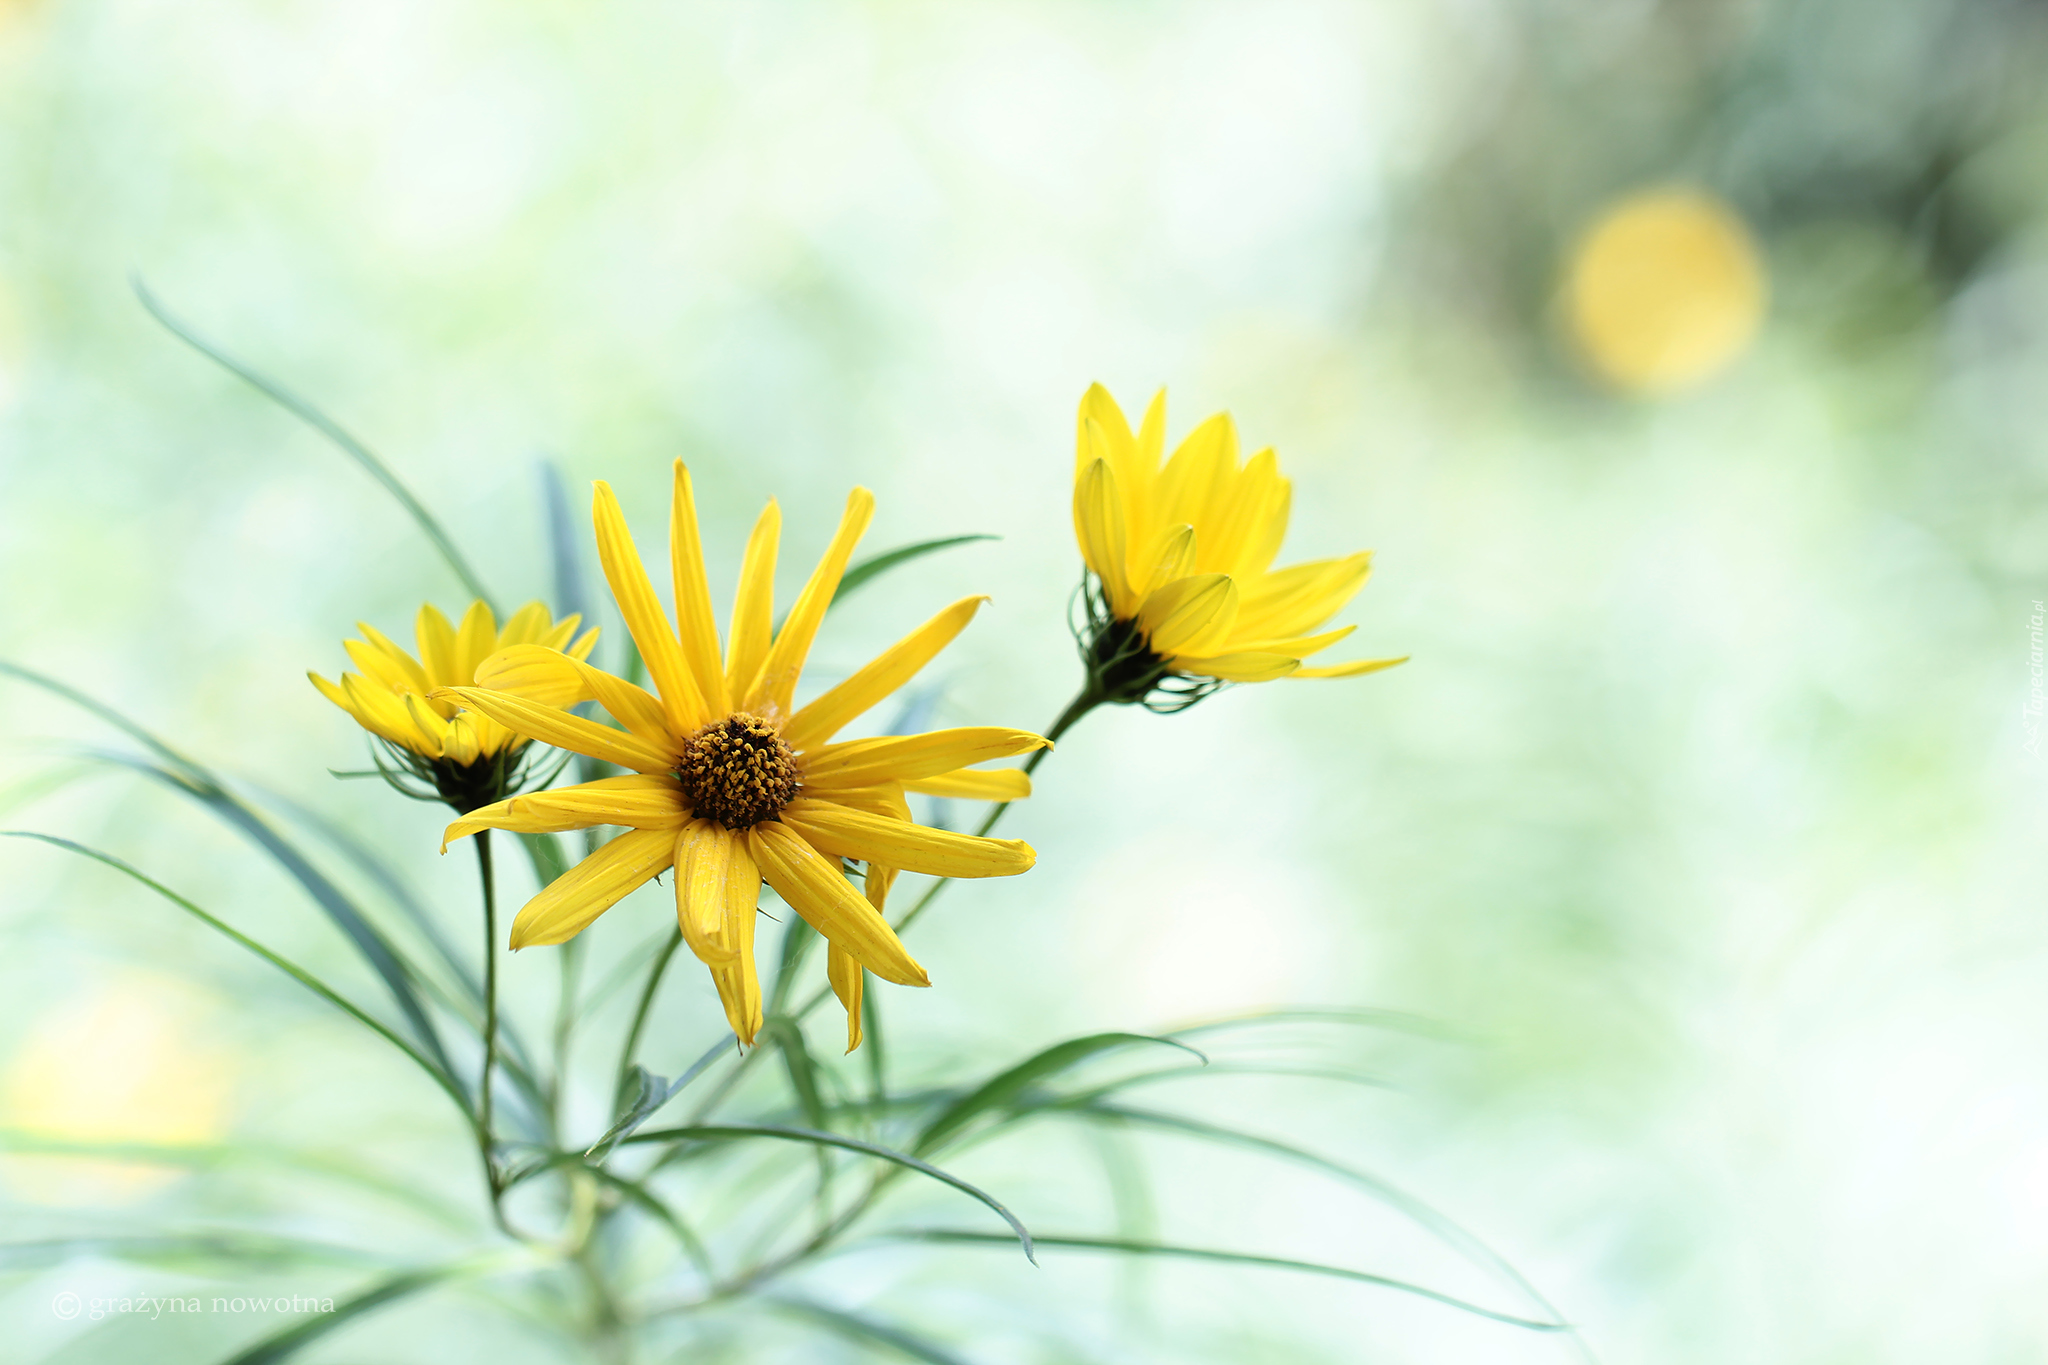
<point x="2037" y="698"/>
<point x="68" y="1305"/>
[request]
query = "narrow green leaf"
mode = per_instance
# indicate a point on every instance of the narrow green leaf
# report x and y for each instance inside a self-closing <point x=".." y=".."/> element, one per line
<point x="860" y="1328"/>
<point x="651" y="1092"/>
<point x="1130" y="1247"/>
<point x="871" y="1043"/>
<point x="686" y="1237"/>
<point x="1395" y="1020"/>
<point x="730" y="1132"/>
<point x="1003" y="1089"/>
<point x="865" y="571"/>
<point x="297" y="973"/>
<point x="544" y="851"/>
<point x="328" y="427"/>
<point x="288" y="1343"/>
<point x="796" y="939"/>
<point x="572" y="588"/>
<point x="788" y="1036"/>
<point x="227" y="1246"/>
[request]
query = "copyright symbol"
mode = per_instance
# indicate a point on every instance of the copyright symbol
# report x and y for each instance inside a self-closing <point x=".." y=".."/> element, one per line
<point x="65" y="1305"/>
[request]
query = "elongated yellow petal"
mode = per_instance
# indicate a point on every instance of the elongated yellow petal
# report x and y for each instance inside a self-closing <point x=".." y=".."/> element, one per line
<point x="639" y="801"/>
<point x="432" y="726"/>
<point x="524" y="627"/>
<point x="581" y="649"/>
<point x="772" y="694"/>
<point x="753" y="607"/>
<point x="382" y="713"/>
<point x="845" y="833"/>
<point x="381" y="669"/>
<point x="738" y="983"/>
<point x="906" y="758"/>
<point x="563" y="730"/>
<point x="694" y="623"/>
<point x="1300" y="598"/>
<point x="1299" y="646"/>
<point x="703" y="862"/>
<point x="464" y="741"/>
<point x="406" y="663"/>
<point x="1189" y="614"/>
<point x="970" y="784"/>
<point x="1352" y="669"/>
<point x="475" y="641"/>
<point x="593" y="886"/>
<point x="1240" y="506"/>
<point x="849" y="982"/>
<point x="819" y="891"/>
<point x="1171" y="556"/>
<point x="1262" y="541"/>
<point x="1099" y="407"/>
<point x="895" y="666"/>
<point x="544" y="675"/>
<point x="1206" y="459"/>
<point x="645" y="620"/>
<point x="1249" y="667"/>
<point x="1099" y="526"/>
<point x="1103" y="434"/>
<point x="437" y="647"/>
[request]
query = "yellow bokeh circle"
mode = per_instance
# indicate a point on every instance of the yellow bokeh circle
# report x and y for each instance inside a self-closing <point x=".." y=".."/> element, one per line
<point x="1664" y="289"/>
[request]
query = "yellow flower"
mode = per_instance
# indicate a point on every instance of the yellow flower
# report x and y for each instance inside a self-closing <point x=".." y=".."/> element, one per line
<point x="1183" y="557"/>
<point x="391" y="696"/>
<point x="730" y="782"/>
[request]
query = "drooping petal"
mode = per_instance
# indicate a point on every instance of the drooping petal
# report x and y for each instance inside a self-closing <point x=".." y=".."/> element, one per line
<point x="849" y="982"/>
<point x="1189" y="614"/>
<point x="638" y="801"/>
<point x="906" y="758"/>
<point x="703" y="862"/>
<point x="738" y="982"/>
<point x="773" y="692"/>
<point x="895" y="666"/>
<point x="1350" y="670"/>
<point x="1099" y="526"/>
<point x="476" y="641"/>
<point x="694" y="622"/>
<point x="819" y="891"/>
<point x="835" y="829"/>
<point x="563" y="730"/>
<point x="437" y="647"/>
<point x="544" y="675"/>
<point x="643" y="614"/>
<point x="971" y="784"/>
<point x="593" y="886"/>
<point x="1250" y="667"/>
<point x="753" y="607"/>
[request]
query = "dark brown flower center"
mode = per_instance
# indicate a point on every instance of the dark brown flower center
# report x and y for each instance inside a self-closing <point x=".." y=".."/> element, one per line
<point x="737" y="771"/>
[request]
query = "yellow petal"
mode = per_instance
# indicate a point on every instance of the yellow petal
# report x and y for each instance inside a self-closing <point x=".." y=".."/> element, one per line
<point x="409" y="665"/>
<point x="819" y="891"/>
<point x="1241" y="509"/>
<point x="464" y="741"/>
<point x="645" y="620"/>
<point x="848" y="983"/>
<point x="563" y="730"/>
<point x="544" y="675"/>
<point x="1099" y="526"/>
<point x="1207" y="457"/>
<point x="906" y="758"/>
<point x="1299" y="646"/>
<point x="738" y="983"/>
<point x="581" y="649"/>
<point x="773" y="692"/>
<point x="382" y="713"/>
<point x="1171" y="556"/>
<point x="1189" y="614"/>
<point x="383" y="670"/>
<point x="1300" y="598"/>
<point x="694" y="622"/>
<point x="476" y="641"/>
<point x="970" y="784"/>
<point x="1262" y="541"/>
<point x="895" y="666"/>
<point x="526" y="626"/>
<point x="437" y="647"/>
<point x="753" y="608"/>
<point x="1352" y="669"/>
<point x="1248" y="667"/>
<point x="703" y="863"/>
<point x="638" y="801"/>
<point x="593" y="886"/>
<point x="1104" y="434"/>
<point x="834" y="829"/>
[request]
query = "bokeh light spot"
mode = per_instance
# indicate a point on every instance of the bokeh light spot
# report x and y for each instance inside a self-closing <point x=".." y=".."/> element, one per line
<point x="1665" y="289"/>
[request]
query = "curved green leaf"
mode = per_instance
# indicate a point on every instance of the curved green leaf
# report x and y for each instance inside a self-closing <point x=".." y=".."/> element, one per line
<point x="1006" y="1087"/>
<point x="297" y="973"/>
<point x="729" y="1132"/>
<point x="1130" y="1247"/>
<point x="289" y="1342"/>
<point x="864" y="571"/>
<point x="329" y="428"/>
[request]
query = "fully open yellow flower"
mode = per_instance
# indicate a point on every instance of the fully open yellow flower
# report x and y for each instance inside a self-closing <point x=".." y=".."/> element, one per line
<point x="391" y="697"/>
<point x="1184" y="554"/>
<point x="732" y="783"/>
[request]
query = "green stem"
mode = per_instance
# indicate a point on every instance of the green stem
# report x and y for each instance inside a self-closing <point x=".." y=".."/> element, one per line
<point x="626" y="1053"/>
<point x="487" y="1146"/>
<point x="565" y="1020"/>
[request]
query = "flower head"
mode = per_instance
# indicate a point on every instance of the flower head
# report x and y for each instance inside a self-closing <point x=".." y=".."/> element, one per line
<point x="468" y="760"/>
<point x="731" y="783"/>
<point x="1183" y="596"/>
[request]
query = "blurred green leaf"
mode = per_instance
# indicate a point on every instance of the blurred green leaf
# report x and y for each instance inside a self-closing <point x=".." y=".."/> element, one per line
<point x="299" y="974"/>
<point x="731" y="1132"/>
<point x="292" y="1340"/>
<point x="1130" y="1247"/>
<point x="332" y="430"/>
<point x="1003" y="1089"/>
<point x="686" y="1236"/>
<point x="865" y="1330"/>
<point x="865" y="571"/>
<point x="184" y="1251"/>
<point x="649" y="1092"/>
<point x="788" y="1037"/>
<point x="544" y="851"/>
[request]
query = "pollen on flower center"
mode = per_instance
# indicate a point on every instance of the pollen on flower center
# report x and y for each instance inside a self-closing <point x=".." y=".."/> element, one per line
<point x="737" y="771"/>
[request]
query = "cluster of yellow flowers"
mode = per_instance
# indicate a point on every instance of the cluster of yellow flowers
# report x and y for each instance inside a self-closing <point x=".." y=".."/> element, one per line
<point x="731" y="783"/>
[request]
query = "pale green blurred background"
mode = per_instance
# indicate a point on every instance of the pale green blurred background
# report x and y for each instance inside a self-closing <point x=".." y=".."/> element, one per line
<point x="1702" y="817"/>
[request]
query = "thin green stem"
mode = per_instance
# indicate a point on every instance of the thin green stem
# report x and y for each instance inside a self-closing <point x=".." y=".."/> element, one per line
<point x="565" y="1021"/>
<point x="632" y="1046"/>
<point x="486" y="1140"/>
